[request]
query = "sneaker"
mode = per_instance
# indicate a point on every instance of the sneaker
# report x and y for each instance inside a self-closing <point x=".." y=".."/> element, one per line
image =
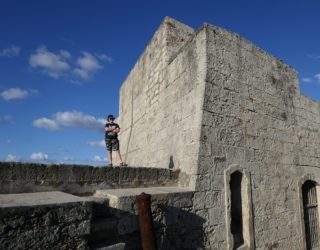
<point x="123" y="164"/>
<point x="110" y="165"/>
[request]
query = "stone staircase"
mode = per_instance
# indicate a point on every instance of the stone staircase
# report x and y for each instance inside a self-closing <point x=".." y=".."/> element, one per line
<point x="103" y="230"/>
<point x="114" y="217"/>
<point x="107" y="220"/>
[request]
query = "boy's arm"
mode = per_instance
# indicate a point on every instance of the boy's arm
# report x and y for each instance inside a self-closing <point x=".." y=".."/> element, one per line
<point x="117" y="129"/>
<point x="107" y="128"/>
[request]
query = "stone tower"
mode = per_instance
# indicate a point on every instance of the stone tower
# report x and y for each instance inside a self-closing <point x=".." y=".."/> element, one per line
<point x="232" y="119"/>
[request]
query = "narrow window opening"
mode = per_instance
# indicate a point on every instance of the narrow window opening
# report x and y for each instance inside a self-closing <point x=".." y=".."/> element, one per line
<point x="310" y="207"/>
<point x="236" y="209"/>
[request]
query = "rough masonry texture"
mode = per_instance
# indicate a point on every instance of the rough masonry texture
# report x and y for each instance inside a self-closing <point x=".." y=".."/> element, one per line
<point x="27" y="177"/>
<point x="44" y="221"/>
<point x="224" y="141"/>
<point x="209" y="102"/>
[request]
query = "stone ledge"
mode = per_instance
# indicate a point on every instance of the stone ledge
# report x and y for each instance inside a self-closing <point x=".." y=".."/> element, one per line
<point x="126" y="192"/>
<point x="47" y="220"/>
<point x="125" y="199"/>
<point x="38" y="199"/>
<point x="17" y="177"/>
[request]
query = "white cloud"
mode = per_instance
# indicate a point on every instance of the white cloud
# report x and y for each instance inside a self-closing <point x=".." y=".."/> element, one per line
<point x="65" y="54"/>
<point x="70" y="119"/>
<point x="88" y="62"/>
<point x="68" y="158"/>
<point x="10" y="52"/>
<point x="88" y="65"/>
<point x="307" y="79"/>
<point x="46" y="123"/>
<point x="317" y="77"/>
<point x="11" y="157"/>
<point x="17" y="93"/>
<point x="100" y="144"/>
<point x="54" y="65"/>
<point x="63" y="64"/>
<point x="77" y="119"/>
<point x="104" y="57"/>
<point x="5" y="119"/>
<point x="314" y="56"/>
<point x="98" y="158"/>
<point x="39" y="156"/>
<point x="81" y="74"/>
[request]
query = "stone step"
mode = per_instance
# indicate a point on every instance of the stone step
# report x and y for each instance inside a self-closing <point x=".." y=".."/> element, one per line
<point x="107" y="246"/>
<point x="39" y="199"/>
<point x="103" y="230"/>
<point x="124" y="199"/>
<point x="122" y="203"/>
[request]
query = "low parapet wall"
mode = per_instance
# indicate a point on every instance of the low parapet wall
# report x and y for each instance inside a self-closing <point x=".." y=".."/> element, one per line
<point x="79" y="179"/>
<point x="46" y="220"/>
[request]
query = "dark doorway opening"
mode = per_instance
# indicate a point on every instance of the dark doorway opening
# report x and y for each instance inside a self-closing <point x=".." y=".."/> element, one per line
<point x="236" y="209"/>
<point x="311" y="218"/>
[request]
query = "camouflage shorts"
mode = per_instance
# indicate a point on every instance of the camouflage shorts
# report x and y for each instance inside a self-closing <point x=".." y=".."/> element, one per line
<point x="112" y="144"/>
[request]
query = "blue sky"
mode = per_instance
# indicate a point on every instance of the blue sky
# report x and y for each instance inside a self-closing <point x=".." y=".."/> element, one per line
<point x="62" y="62"/>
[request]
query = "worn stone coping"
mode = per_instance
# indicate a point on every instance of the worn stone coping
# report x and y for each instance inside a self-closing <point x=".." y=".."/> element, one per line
<point x="75" y="179"/>
<point x="38" y="199"/>
<point x="127" y="192"/>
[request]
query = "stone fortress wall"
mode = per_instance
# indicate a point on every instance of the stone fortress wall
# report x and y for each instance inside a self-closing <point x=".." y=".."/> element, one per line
<point x="161" y="100"/>
<point x="80" y="180"/>
<point x="256" y="121"/>
<point x="223" y="106"/>
<point x="225" y="142"/>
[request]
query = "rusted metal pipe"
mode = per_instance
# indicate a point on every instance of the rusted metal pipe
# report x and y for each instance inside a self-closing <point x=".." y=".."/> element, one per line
<point x="148" y="239"/>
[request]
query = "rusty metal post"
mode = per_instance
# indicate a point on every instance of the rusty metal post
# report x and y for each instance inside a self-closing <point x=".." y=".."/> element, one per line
<point x="148" y="239"/>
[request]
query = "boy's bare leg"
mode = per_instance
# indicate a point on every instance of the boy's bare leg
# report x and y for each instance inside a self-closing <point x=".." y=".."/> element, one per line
<point x="110" y="157"/>
<point x="119" y="156"/>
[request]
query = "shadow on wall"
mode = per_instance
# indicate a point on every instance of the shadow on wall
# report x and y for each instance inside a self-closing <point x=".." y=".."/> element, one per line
<point x="171" y="162"/>
<point x="177" y="228"/>
<point x="174" y="228"/>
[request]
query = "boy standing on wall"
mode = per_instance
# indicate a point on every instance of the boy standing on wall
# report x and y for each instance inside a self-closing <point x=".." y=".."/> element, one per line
<point x="111" y="138"/>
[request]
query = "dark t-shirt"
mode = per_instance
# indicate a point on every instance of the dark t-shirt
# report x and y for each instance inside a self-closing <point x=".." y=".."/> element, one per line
<point x="109" y="134"/>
